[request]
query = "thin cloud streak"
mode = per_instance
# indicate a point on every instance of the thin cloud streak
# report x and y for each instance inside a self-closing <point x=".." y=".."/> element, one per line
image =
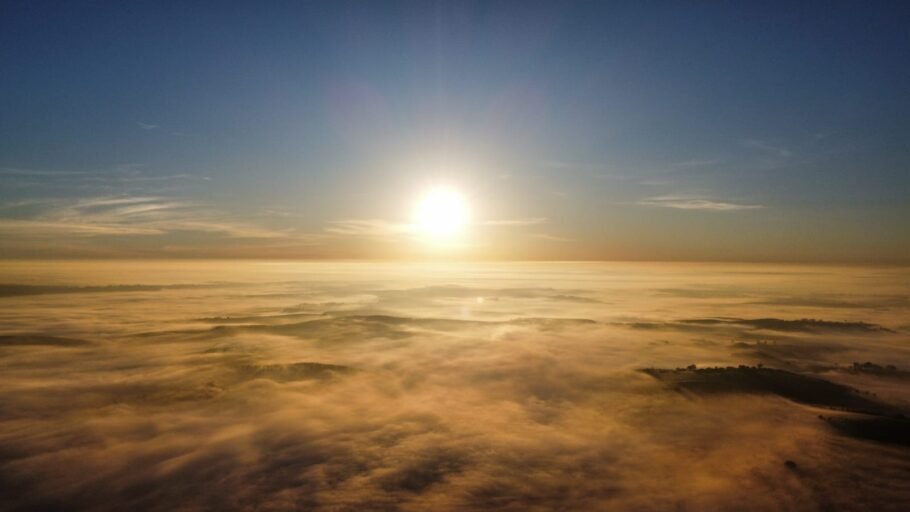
<point x="684" y="203"/>
<point x="367" y="227"/>
<point x="130" y="216"/>
<point x="552" y="238"/>
<point x="516" y="222"/>
<point x="16" y="171"/>
<point x="775" y="150"/>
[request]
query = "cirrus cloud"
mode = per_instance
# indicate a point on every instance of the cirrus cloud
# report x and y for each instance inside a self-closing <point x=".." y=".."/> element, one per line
<point x="696" y="203"/>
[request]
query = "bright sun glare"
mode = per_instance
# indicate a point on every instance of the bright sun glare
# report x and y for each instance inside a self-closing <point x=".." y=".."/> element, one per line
<point x="441" y="214"/>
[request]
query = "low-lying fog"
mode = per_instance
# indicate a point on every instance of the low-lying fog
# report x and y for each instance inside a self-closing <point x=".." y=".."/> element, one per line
<point x="355" y="386"/>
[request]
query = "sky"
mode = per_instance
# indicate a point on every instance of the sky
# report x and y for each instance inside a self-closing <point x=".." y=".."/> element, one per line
<point x="573" y="130"/>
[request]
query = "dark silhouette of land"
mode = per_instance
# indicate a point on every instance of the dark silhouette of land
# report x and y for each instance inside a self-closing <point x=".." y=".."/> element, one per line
<point x="858" y="414"/>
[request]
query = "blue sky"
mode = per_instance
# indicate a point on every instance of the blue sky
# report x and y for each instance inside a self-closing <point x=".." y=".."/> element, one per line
<point x="578" y="130"/>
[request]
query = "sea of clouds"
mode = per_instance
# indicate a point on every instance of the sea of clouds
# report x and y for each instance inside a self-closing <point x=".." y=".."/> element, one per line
<point x="392" y="386"/>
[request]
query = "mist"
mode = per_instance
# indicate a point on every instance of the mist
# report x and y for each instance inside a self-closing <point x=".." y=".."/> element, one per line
<point x="393" y="386"/>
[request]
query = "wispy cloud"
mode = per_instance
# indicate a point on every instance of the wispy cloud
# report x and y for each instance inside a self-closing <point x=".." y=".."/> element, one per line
<point x="14" y="171"/>
<point x="579" y="166"/>
<point x="386" y="228"/>
<point x="531" y="221"/>
<point x="551" y="238"/>
<point x="778" y="151"/>
<point x="698" y="162"/>
<point x="695" y="203"/>
<point x="129" y="216"/>
<point x="129" y="179"/>
<point x="173" y="133"/>
<point x="367" y="227"/>
<point x="30" y="228"/>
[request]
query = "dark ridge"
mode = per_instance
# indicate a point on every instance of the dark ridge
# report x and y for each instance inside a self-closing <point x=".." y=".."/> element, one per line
<point x="809" y="324"/>
<point x="254" y="318"/>
<point x="38" y="403"/>
<point x="421" y="474"/>
<point x="710" y="321"/>
<point x="574" y="298"/>
<point x="332" y="329"/>
<point x="15" y="290"/>
<point x="294" y="371"/>
<point x="772" y="324"/>
<point x="450" y="323"/>
<point x="786" y="352"/>
<point x="879" y="370"/>
<point x="696" y="325"/>
<point x="339" y="328"/>
<point x="34" y="340"/>
<point x="553" y="321"/>
<point x="756" y="380"/>
<point x="878" y="302"/>
<point x="308" y="307"/>
<point x="703" y="293"/>
<point x="881" y="429"/>
<point x="801" y="325"/>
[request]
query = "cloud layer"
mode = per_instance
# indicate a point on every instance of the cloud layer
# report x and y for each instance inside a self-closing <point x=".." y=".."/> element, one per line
<point x="437" y="387"/>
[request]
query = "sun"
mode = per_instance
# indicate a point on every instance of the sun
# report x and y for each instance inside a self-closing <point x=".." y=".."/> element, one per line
<point x="441" y="214"/>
